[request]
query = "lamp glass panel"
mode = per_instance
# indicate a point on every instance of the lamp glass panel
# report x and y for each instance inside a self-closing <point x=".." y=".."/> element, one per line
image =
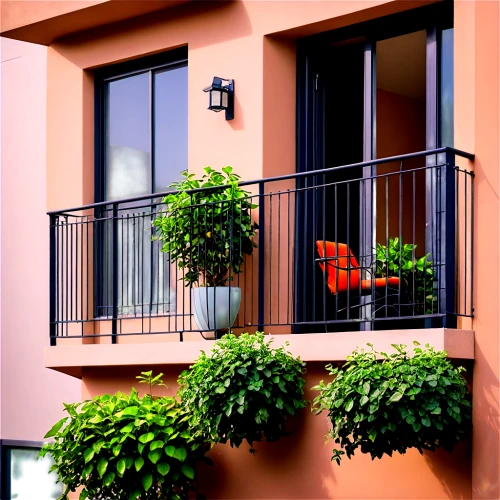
<point x="215" y="97"/>
<point x="224" y="99"/>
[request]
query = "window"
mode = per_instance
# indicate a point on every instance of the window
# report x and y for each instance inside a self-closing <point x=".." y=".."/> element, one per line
<point x="24" y="476"/>
<point x="141" y="126"/>
<point x="141" y="148"/>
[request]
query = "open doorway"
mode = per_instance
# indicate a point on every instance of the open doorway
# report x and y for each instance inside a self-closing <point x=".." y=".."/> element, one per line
<point x="328" y="206"/>
<point x="364" y="93"/>
<point x="401" y="129"/>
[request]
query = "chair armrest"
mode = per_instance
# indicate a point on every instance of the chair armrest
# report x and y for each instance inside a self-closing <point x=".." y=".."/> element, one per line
<point x="349" y="268"/>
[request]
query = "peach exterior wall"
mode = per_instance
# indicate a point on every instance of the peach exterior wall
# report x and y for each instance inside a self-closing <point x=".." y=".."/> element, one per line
<point x="223" y="38"/>
<point x="31" y="396"/>
<point x="477" y="129"/>
<point x="299" y="466"/>
<point x="236" y="39"/>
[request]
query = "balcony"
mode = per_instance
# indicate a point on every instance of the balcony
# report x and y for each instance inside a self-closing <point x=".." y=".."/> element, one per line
<point x="381" y="245"/>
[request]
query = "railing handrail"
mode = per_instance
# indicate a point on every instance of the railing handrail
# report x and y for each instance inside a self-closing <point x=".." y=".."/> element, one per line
<point x="296" y="175"/>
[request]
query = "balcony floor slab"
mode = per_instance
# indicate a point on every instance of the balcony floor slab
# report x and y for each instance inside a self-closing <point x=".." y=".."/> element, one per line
<point x="322" y="347"/>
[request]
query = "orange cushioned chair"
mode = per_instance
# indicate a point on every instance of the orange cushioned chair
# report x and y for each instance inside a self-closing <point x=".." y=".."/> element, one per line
<point x="343" y="271"/>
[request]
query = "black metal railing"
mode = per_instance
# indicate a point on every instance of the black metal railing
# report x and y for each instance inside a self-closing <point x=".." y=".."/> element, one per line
<point x="380" y="244"/>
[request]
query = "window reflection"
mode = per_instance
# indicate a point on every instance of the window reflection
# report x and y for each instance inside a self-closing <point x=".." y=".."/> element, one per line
<point x="141" y="110"/>
<point x="447" y="97"/>
<point x="30" y="478"/>
<point x="131" y="121"/>
<point x="171" y="126"/>
<point x="128" y="150"/>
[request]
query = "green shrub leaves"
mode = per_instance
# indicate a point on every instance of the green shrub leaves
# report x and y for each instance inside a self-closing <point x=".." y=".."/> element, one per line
<point x="242" y="390"/>
<point x="207" y="232"/>
<point x="401" y="402"/>
<point x="126" y="447"/>
<point x="398" y="259"/>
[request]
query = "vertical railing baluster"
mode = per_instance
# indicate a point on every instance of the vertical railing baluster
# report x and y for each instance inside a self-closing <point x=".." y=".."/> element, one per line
<point x="450" y="220"/>
<point x="261" y="273"/>
<point x="471" y="240"/>
<point x="52" y="280"/>
<point x="112" y="280"/>
<point x="270" y="259"/>
<point x="114" y="266"/>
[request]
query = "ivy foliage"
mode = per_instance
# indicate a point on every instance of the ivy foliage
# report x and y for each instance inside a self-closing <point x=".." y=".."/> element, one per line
<point x="401" y="402"/>
<point x="243" y="390"/>
<point x="398" y="259"/>
<point x="207" y="232"/>
<point x="126" y="447"/>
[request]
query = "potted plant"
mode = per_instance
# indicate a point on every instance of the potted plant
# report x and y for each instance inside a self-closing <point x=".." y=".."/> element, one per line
<point x="206" y="227"/>
<point x="243" y="390"/>
<point x="126" y="447"/>
<point x="417" y="275"/>
<point x="403" y="401"/>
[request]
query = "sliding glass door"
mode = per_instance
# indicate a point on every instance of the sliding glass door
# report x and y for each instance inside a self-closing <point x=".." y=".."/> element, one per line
<point x="375" y="90"/>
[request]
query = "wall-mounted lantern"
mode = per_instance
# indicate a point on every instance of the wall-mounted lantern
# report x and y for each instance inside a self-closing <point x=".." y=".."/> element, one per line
<point x="221" y="96"/>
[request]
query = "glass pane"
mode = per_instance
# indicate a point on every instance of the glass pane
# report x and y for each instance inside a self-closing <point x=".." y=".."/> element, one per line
<point x="171" y="126"/>
<point x="216" y="96"/>
<point x="128" y="144"/>
<point x="401" y="94"/>
<point x="143" y="278"/>
<point x="30" y="478"/>
<point x="401" y="128"/>
<point x="447" y="88"/>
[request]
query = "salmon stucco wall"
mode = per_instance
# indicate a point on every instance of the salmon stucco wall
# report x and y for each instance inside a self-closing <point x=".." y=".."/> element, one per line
<point x="223" y="38"/>
<point x="477" y="116"/>
<point x="299" y="466"/>
<point x="253" y="42"/>
<point x="31" y="396"/>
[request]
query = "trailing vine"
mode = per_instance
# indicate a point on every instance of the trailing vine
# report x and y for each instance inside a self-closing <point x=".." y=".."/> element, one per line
<point x="419" y="401"/>
<point x="243" y="390"/>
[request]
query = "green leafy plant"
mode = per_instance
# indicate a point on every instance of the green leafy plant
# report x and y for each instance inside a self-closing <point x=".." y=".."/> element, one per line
<point x="243" y="390"/>
<point x="126" y="447"/>
<point x="151" y="380"/>
<point x="207" y="232"/>
<point x="400" y="402"/>
<point x="398" y="259"/>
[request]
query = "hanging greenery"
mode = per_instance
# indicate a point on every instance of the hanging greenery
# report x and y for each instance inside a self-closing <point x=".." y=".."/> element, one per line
<point x="126" y="447"/>
<point x="243" y="390"/>
<point x="419" y="401"/>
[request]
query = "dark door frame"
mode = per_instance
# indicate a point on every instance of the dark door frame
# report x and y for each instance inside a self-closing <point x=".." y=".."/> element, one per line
<point x="310" y="139"/>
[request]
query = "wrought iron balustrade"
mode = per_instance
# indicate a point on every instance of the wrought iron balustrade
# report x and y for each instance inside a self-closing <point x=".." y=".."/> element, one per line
<point x="328" y="258"/>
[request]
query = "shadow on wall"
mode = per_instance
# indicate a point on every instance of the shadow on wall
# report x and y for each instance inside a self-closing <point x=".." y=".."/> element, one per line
<point x="442" y="467"/>
<point x="485" y="413"/>
<point x="237" y="123"/>
<point x="299" y="467"/>
<point x="293" y="468"/>
<point x="165" y="29"/>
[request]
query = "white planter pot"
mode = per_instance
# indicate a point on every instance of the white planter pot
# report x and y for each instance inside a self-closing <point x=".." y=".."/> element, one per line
<point x="216" y="308"/>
